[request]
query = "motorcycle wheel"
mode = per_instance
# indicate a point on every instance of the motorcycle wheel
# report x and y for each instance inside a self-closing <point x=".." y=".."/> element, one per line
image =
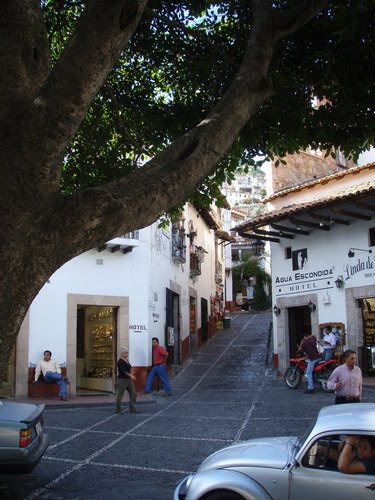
<point x="293" y="378"/>
<point x="323" y="379"/>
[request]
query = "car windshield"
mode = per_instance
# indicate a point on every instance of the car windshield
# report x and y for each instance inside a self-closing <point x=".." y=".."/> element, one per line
<point x="304" y="436"/>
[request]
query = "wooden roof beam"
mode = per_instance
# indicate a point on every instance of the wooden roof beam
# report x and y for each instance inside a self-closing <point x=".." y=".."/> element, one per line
<point x="255" y="237"/>
<point x="101" y="248"/>
<point x="362" y="204"/>
<point x="274" y="233"/>
<point x="313" y="225"/>
<point x="289" y="229"/>
<point x="350" y="213"/>
<point x="114" y="249"/>
<point x="127" y="250"/>
<point x="329" y="219"/>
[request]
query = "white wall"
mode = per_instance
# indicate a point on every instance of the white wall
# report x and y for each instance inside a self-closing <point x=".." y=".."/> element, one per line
<point x="120" y="275"/>
<point x="142" y="275"/>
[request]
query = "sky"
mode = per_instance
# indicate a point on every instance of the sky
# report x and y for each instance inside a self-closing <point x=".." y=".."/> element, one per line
<point x="367" y="157"/>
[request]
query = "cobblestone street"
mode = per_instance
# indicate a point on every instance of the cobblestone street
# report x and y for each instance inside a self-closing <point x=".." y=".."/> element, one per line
<point x="225" y="393"/>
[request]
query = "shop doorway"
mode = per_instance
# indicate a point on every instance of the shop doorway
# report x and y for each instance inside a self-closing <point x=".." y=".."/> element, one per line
<point x="193" y="324"/>
<point x="204" y="320"/>
<point x="299" y="322"/>
<point x="172" y="341"/>
<point x="96" y="349"/>
<point x="368" y="316"/>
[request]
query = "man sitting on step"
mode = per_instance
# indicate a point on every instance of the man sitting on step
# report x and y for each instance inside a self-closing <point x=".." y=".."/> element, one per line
<point x="52" y="373"/>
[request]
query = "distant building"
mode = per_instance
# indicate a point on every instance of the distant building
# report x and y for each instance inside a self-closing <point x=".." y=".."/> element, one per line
<point x="246" y="191"/>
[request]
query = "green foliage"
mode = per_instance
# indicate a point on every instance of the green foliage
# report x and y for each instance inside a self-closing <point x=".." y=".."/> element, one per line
<point x="251" y="269"/>
<point x="180" y="62"/>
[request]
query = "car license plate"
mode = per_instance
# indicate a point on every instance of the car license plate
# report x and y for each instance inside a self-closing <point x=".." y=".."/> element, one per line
<point x="39" y="428"/>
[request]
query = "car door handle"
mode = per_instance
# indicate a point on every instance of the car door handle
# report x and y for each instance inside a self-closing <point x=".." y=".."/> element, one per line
<point x="371" y="487"/>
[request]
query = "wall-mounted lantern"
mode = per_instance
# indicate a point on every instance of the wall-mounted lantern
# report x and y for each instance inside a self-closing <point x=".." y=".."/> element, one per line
<point x="276" y="310"/>
<point x="311" y="307"/>
<point x="257" y="247"/>
<point x="351" y="252"/>
<point x="340" y="282"/>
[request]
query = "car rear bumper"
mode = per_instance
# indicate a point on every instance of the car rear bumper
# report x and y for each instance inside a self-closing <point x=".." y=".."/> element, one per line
<point x="25" y="462"/>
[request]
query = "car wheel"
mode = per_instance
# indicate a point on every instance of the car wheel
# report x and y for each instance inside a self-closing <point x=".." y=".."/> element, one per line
<point x="223" y="495"/>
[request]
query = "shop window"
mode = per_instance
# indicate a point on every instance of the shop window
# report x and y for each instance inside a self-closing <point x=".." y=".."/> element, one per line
<point x="324" y="453"/>
<point x="372" y="237"/>
<point x="178" y="243"/>
<point x="288" y="253"/>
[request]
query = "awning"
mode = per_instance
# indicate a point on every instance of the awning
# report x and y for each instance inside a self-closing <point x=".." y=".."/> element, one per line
<point x="223" y="235"/>
<point x="319" y="213"/>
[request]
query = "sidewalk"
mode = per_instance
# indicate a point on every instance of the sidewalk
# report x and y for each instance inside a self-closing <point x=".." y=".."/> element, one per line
<point x="95" y="400"/>
<point x="370" y="381"/>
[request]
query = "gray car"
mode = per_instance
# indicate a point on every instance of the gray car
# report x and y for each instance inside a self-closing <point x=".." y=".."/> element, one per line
<point x="22" y="437"/>
<point x="287" y="468"/>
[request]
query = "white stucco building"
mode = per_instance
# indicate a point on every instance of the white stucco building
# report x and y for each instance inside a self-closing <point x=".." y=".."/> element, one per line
<point x="322" y="236"/>
<point x="166" y="283"/>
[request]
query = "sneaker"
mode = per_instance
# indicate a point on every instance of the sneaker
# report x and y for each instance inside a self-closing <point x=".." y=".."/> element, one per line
<point x="309" y="391"/>
<point x="146" y="392"/>
<point x="167" y="394"/>
<point x="63" y="398"/>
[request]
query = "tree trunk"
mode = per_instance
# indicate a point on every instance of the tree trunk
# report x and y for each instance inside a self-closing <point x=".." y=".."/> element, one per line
<point x="41" y="110"/>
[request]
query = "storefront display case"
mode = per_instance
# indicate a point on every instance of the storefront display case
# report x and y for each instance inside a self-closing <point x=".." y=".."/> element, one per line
<point x="368" y="313"/>
<point x="98" y="366"/>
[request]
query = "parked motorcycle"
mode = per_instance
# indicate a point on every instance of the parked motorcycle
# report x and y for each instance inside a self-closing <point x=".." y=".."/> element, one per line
<point x="322" y="371"/>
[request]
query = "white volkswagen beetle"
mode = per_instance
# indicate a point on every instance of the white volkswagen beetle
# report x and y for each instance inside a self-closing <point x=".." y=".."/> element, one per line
<point x="287" y="468"/>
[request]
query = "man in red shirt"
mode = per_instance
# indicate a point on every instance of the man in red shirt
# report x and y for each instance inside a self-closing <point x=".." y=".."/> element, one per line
<point x="159" y="358"/>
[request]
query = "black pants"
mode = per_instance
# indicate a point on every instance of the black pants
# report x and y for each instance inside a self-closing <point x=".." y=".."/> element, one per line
<point x="340" y="400"/>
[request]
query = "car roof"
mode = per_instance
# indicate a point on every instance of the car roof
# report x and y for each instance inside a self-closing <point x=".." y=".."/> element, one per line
<point x="353" y="416"/>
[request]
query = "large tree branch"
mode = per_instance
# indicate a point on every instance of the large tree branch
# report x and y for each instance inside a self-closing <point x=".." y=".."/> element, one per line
<point x="56" y="112"/>
<point x="294" y="19"/>
<point x="24" y="55"/>
<point x="139" y="198"/>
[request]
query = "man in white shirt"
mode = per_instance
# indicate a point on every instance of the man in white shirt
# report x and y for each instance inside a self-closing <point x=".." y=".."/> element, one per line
<point x="329" y="340"/>
<point x="51" y="373"/>
<point x="346" y="380"/>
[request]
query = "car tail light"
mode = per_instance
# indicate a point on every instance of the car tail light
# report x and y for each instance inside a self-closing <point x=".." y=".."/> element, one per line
<point x="26" y="437"/>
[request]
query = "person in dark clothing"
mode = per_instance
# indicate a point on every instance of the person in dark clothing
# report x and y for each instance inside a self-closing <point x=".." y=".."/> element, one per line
<point x="308" y="345"/>
<point x="358" y="455"/>
<point x="125" y="381"/>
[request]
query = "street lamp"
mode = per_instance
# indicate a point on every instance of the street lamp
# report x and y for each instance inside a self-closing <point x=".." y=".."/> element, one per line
<point x="257" y="247"/>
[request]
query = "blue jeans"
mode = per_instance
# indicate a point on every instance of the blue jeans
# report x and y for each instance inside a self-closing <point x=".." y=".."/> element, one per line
<point x="162" y="372"/>
<point x="309" y="372"/>
<point x="328" y="354"/>
<point x="58" y="378"/>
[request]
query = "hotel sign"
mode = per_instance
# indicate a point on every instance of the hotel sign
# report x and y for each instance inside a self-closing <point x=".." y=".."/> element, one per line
<point x="304" y="282"/>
